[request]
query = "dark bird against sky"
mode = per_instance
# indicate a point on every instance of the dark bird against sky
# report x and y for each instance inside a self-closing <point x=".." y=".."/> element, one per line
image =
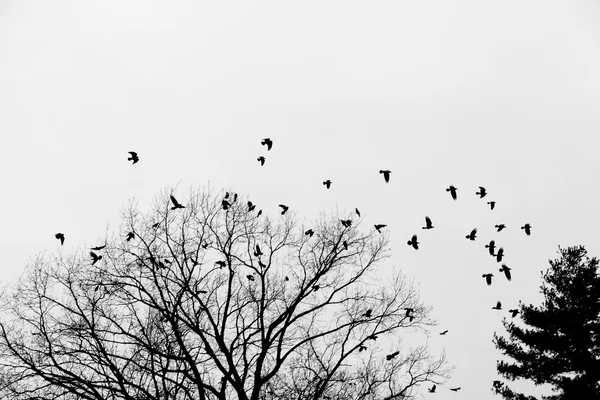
<point x="95" y="257"/>
<point x="428" y="224"/>
<point x="386" y="174"/>
<point x="506" y="271"/>
<point x="130" y="236"/>
<point x="500" y="254"/>
<point x="176" y="205"/>
<point x="261" y="160"/>
<point x="472" y="235"/>
<point x="488" y="278"/>
<point x="492" y="204"/>
<point x="527" y="228"/>
<point x="357" y="212"/>
<point x="379" y="227"/>
<point x="98" y="248"/>
<point x="60" y="237"/>
<point x="491" y="247"/>
<point x="499" y="227"/>
<point x="309" y="232"/>
<point x="327" y="183"/>
<point x="498" y="306"/>
<point x="134" y="157"/>
<point x="389" y="357"/>
<point x="267" y="142"/>
<point x="452" y="191"/>
<point x="413" y="242"/>
<point x="284" y="208"/>
<point x="482" y="192"/>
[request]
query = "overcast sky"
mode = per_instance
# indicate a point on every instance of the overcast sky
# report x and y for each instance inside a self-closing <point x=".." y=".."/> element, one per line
<point x="503" y="94"/>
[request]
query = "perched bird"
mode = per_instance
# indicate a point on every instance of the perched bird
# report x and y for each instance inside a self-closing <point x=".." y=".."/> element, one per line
<point x="491" y="247"/>
<point x="226" y="195"/>
<point x="251" y="206"/>
<point x="357" y="212"/>
<point x="500" y="254"/>
<point x="98" y="248"/>
<point x="471" y="236"/>
<point x="267" y="142"/>
<point x="134" y="157"/>
<point x="379" y="227"/>
<point x="492" y="204"/>
<point x="316" y="287"/>
<point x="345" y="244"/>
<point x="327" y="183"/>
<point x="456" y="389"/>
<point x="250" y="277"/>
<point x="488" y="278"/>
<point x="130" y="236"/>
<point x="386" y="174"/>
<point x="498" y="306"/>
<point x="413" y="242"/>
<point x="452" y="191"/>
<point x="513" y="312"/>
<point x="309" y="232"/>
<point x="176" y="205"/>
<point x="428" y="224"/>
<point x="443" y="333"/>
<point x="506" y="271"/>
<point x="262" y="264"/>
<point x="235" y="196"/>
<point x="361" y="348"/>
<point x="225" y="204"/>
<point x="368" y="313"/>
<point x="408" y="314"/>
<point x="390" y="356"/>
<point x="284" y="208"/>
<point x="220" y="263"/>
<point x="259" y="212"/>
<point x="346" y="222"/>
<point x="261" y="159"/>
<point x="481" y="192"/>
<point x="95" y="257"/>
<point x="499" y="227"/>
<point x="432" y="389"/>
<point x="527" y="228"/>
<point x="372" y="337"/>
<point x="60" y="237"/>
<point x="257" y="253"/>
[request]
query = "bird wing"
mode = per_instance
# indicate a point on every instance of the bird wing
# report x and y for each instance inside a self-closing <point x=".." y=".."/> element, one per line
<point x="474" y="232"/>
<point x="428" y="221"/>
<point x="174" y="200"/>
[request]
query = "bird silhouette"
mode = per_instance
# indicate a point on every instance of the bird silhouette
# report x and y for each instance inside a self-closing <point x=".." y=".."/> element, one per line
<point x="361" y="348"/>
<point x="456" y="389"/>
<point x="345" y="244"/>
<point x="500" y="254"/>
<point x="513" y="312"/>
<point x="379" y="227"/>
<point x="499" y="227"/>
<point x="176" y="205"/>
<point x="98" y="248"/>
<point x="251" y="206"/>
<point x="346" y="222"/>
<point x="506" y="271"/>
<point x="220" y="263"/>
<point x="259" y="212"/>
<point x="432" y="389"/>
<point x="267" y="142"/>
<point x="368" y="313"/>
<point x="372" y="337"/>
<point x="316" y="287"/>
<point x="134" y="157"/>
<point x="130" y="236"/>
<point x="60" y="237"/>
<point x="498" y="306"/>
<point x="309" y="232"/>
<point x="481" y="192"/>
<point x="452" y="191"/>
<point x="225" y="204"/>
<point x="95" y="257"/>
<point x="257" y="253"/>
<point x="408" y="314"/>
<point x="226" y="195"/>
<point x="327" y="183"/>
<point x="389" y="357"/>
<point x="284" y="208"/>
<point x="492" y="204"/>
<point x="443" y="333"/>
<point x="261" y="159"/>
<point x="488" y="278"/>
<point x="471" y="236"/>
<point x="527" y="228"/>
<point x="491" y="247"/>
<point x="386" y="174"/>
<point x="413" y="242"/>
<point x="250" y="277"/>
<point x="357" y="212"/>
<point x="428" y="224"/>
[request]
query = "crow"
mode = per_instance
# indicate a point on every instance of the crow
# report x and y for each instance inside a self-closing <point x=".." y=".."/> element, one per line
<point x="250" y="277"/>
<point x="379" y="227"/>
<point x="500" y="254"/>
<point x="492" y="204"/>
<point x="261" y="159"/>
<point x="259" y="212"/>
<point x="220" y="263"/>
<point x="357" y="212"/>
<point x="346" y="222"/>
<point x="499" y="227"/>
<point x="390" y="356"/>
<point x="361" y="348"/>
<point x="345" y="244"/>
<point x="413" y="242"/>
<point x="386" y="174"/>
<point x="408" y="314"/>
<point x="488" y="278"/>
<point x="372" y="337"/>
<point x="506" y="271"/>
<point x="443" y="333"/>
<point x="456" y="389"/>
<point x="491" y="247"/>
<point x="368" y="313"/>
<point x="471" y="236"/>
<point x="95" y="257"/>
<point x="258" y="253"/>
<point x="98" y="248"/>
<point x="498" y="306"/>
<point x="309" y="232"/>
<point x="251" y="206"/>
<point x="225" y="204"/>
<point x="235" y="196"/>
<point x="284" y="208"/>
<point x="327" y="183"/>
<point x="527" y="228"/>
<point x="267" y="142"/>
<point x="156" y="225"/>
<point x="428" y="224"/>
<point x="130" y="236"/>
<point x="432" y="389"/>
<point x="176" y="205"/>
<point x="60" y="237"/>
<point x="513" y="312"/>
<point x="452" y="191"/>
<point x="134" y="157"/>
<point x="481" y="192"/>
<point x="226" y="195"/>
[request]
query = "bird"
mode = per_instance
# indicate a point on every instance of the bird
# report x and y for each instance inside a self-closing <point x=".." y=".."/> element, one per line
<point x="492" y="204"/>
<point x="225" y="204"/>
<point x="408" y="314"/>
<point x="258" y="253"/>
<point x="432" y="389"/>
<point x="176" y="205"/>
<point x="95" y="257"/>
<point x="443" y="333"/>
<point x="267" y="142"/>
<point x="499" y="227"/>
<point x="506" y="271"/>
<point x="220" y="263"/>
<point x="61" y="237"/>
<point x="98" y="248"/>
<point x="284" y="208"/>
<point x="481" y="192"/>
<point x="500" y="254"/>
<point x="235" y="196"/>
<point x="513" y="312"/>
<point x="130" y="236"/>
<point x="488" y="278"/>
<point x="357" y="212"/>
<point x="372" y="337"/>
<point x="413" y="242"/>
<point x="345" y="244"/>
<point x="309" y="232"/>
<point x="386" y="174"/>
<point x="316" y="287"/>
<point x="428" y="224"/>
<point x="226" y="195"/>
<point x="527" y="228"/>
<point x="361" y="348"/>
<point x="491" y="247"/>
<point x="456" y="389"/>
<point x="251" y="206"/>
<point x="390" y="356"/>
<point x="346" y="222"/>
<point x="498" y="306"/>
<point x="452" y="191"/>
<point x="261" y="159"/>
<point x="379" y="227"/>
<point x="471" y="236"/>
<point x="259" y="212"/>
<point x="327" y="183"/>
<point x="250" y="277"/>
<point x="134" y="157"/>
<point x="368" y="313"/>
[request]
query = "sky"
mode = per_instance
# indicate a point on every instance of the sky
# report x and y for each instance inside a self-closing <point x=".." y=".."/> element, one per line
<point x="468" y="93"/>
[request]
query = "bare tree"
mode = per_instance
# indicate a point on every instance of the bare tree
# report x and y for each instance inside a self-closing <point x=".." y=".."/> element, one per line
<point x="213" y="301"/>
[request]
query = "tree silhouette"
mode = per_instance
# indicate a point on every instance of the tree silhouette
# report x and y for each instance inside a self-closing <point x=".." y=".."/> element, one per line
<point x="561" y="346"/>
<point x="171" y="314"/>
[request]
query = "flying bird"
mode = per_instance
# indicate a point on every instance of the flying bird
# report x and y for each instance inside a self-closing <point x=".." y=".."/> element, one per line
<point x="346" y="222"/>
<point x="220" y="263"/>
<point x="428" y="224"/>
<point x="176" y="205"/>
<point x="258" y="253"/>
<point x="413" y="242"/>
<point x="499" y="227"/>
<point x="225" y="204"/>
<point x="506" y="271"/>
<point x="379" y="227"/>
<point x="390" y="356"/>
<point x="226" y="195"/>
<point x="443" y="333"/>
<point x="361" y="348"/>
<point x="327" y="183"/>
<point x="456" y="389"/>
<point x="261" y="159"/>
<point x="60" y="237"/>
<point x="481" y="192"/>
<point x="250" y="277"/>
<point x="95" y="257"/>
<point x="432" y="389"/>
<point x="251" y="206"/>
<point x="134" y="157"/>
<point x="284" y="208"/>
<point x="368" y="313"/>
<point x="500" y="254"/>
<point x="498" y="306"/>
<point x="488" y="278"/>
<point x="471" y="236"/>
<point x="492" y="204"/>
<point x="267" y="142"/>
<point x="372" y="337"/>
<point x="357" y="212"/>
<point x="309" y="232"/>
<point x="527" y="228"/>
<point x="386" y="174"/>
<point x="513" y="312"/>
<point x="491" y="247"/>
<point x="130" y="236"/>
<point x="452" y="191"/>
<point x="98" y="248"/>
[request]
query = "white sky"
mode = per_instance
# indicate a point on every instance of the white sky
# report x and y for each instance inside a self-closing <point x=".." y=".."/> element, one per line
<point x="500" y="94"/>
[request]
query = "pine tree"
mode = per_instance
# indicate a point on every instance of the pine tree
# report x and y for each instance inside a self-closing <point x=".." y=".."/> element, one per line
<point x="561" y="345"/>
